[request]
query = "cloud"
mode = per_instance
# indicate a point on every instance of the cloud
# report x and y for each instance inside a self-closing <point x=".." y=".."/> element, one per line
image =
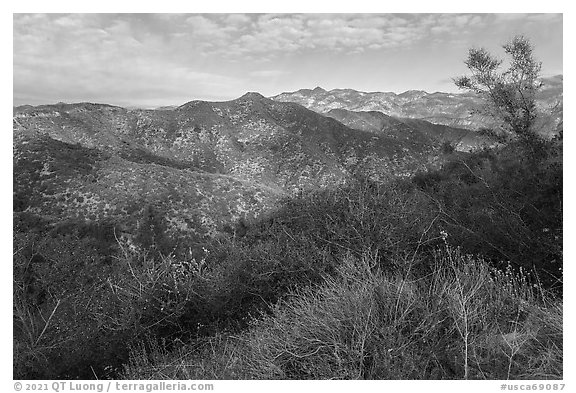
<point x="105" y="58"/>
<point x="268" y="73"/>
<point x="68" y="22"/>
<point x="235" y="36"/>
<point x="125" y="81"/>
<point x="528" y="17"/>
<point x="348" y="33"/>
<point x="203" y="26"/>
<point x="236" y="19"/>
<point x="545" y="17"/>
<point x="270" y="35"/>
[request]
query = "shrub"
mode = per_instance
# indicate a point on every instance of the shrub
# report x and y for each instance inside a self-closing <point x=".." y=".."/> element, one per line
<point x="465" y="320"/>
<point x="57" y="286"/>
<point x="391" y="220"/>
<point x="75" y="314"/>
<point x="496" y="204"/>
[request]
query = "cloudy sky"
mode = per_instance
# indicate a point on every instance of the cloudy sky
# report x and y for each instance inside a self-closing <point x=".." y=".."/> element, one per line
<point x="151" y="60"/>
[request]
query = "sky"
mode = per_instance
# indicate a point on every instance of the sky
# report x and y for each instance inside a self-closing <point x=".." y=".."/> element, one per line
<point x="151" y="60"/>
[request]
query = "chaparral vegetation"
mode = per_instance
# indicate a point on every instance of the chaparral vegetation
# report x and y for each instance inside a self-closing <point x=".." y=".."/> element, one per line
<point x="293" y="251"/>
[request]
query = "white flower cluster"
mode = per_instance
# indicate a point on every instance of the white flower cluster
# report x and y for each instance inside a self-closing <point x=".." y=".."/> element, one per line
<point x="444" y="235"/>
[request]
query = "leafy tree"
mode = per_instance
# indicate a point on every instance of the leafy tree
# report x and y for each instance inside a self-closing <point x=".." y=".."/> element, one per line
<point x="510" y="94"/>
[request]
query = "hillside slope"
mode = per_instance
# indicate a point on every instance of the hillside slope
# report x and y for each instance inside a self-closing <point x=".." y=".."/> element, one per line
<point x="203" y="164"/>
<point x="410" y="131"/>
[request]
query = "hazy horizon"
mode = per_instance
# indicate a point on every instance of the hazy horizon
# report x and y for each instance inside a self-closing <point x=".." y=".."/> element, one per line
<point x="152" y="60"/>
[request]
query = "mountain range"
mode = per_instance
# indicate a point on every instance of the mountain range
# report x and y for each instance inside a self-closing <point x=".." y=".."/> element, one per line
<point x="454" y="110"/>
<point x="207" y="165"/>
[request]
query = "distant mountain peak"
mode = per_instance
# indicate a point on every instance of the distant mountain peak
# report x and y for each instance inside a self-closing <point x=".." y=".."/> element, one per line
<point x="318" y="89"/>
<point x="414" y="92"/>
<point x="252" y="95"/>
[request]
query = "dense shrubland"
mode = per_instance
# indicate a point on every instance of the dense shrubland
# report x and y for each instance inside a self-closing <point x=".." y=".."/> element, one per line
<point x="463" y="320"/>
<point x="455" y="273"/>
